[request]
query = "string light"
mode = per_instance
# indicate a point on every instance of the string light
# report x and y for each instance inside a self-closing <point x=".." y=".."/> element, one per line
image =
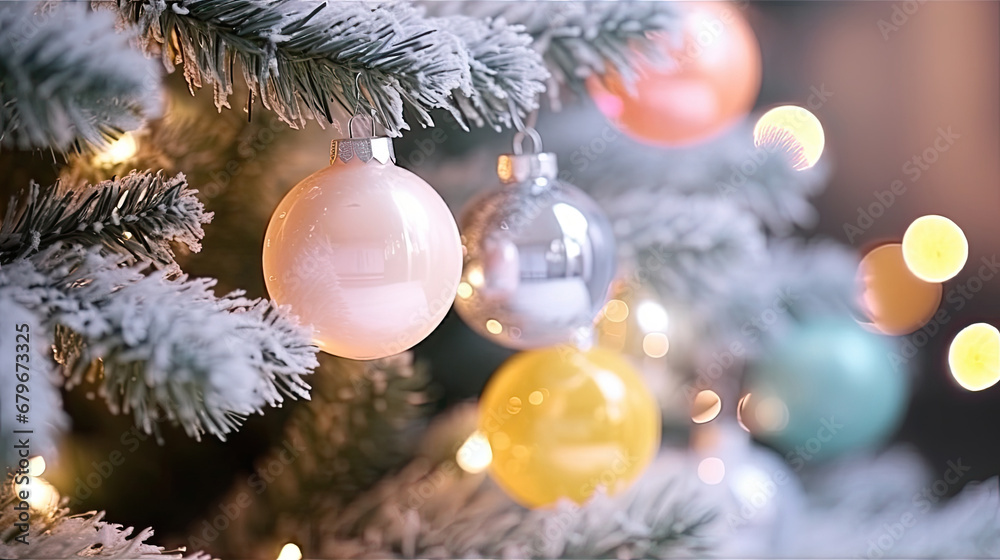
<point x="475" y="455"/>
<point x="711" y="470"/>
<point x="119" y="151"/>
<point x="707" y="405"/>
<point x="793" y="130"/>
<point x="935" y="248"/>
<point x="290" y="552"/>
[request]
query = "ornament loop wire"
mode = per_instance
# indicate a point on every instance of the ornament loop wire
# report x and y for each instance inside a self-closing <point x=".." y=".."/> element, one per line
<point x="350" y="126"/>
<point x="536" y="141"/>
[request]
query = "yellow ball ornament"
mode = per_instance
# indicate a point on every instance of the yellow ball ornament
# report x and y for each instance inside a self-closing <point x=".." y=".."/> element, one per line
<point x="974" y="357"/>
<point x="935" y="248"/>
<point x="563" y="422"/>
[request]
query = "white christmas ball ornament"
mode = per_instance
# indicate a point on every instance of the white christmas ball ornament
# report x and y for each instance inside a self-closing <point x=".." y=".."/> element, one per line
<point x="365" y="252"/>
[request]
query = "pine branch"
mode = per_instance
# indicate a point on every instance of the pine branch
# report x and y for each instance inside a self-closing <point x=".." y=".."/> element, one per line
<point x="169" y="348"/>
<point x="505" y="71"/>
<point x="68" y="76"/>
<point x="687" y="246"/>
<point x="137" y="215"/>
<point x="759" y="180"/>
<point x="433" y="509"/>
<point x="301" y="57"/>
<point x="358" y="426"/>
<point x="38" y="377"/>
<point x="55" y="535"/>
<point x="795" y="280"/>
<point x="578" y="39"/>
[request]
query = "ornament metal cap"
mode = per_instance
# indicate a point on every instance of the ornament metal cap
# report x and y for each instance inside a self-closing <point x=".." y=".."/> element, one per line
<point x="378" y="148"/>
<point x="518" y="166"/>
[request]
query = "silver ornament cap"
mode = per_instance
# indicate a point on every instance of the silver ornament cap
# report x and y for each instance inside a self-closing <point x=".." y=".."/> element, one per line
<point x="519" y="167"/>
<point x="377" y="148"/>
<point x="539" y="255"/>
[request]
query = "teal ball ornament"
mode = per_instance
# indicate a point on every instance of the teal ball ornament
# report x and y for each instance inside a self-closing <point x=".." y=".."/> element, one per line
<point x="826" y="389"/>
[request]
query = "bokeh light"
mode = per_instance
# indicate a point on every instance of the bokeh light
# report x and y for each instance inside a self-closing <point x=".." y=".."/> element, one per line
<point x="893" y="298"/>
<point x="290" y="552"/>
<point x="792" y="130"/>
<point x="36" y="466"/>
<point x="494" y="326"/>
<point x="119" y="151"/>
<point x="655" y="345"/>
<point x="475" y="455"/>
<point x="741" y="406"/>
<point x="771" y="414"/>
<point x="711" y="470"/>
<point x="974" y="357"/>
<point x="616" y="310"/>
<point x="707" y="405"/>
<point x="935" y="248"/>
<point x="464" y="290"/>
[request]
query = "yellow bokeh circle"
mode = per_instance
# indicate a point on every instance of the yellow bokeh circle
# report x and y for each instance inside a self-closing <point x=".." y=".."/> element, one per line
<point x="974" y="357"/>
<point x="935" y="248"/>
<point x="586" y="421"/>
<point x="793" y="130"/>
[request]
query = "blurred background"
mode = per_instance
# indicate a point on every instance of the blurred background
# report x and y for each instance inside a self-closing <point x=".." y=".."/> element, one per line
<point x="884" y="78"/>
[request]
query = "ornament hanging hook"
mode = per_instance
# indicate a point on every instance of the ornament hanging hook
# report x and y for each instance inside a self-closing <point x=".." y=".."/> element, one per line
<point x="536" y="141"/>
<point x="357" y="107"/>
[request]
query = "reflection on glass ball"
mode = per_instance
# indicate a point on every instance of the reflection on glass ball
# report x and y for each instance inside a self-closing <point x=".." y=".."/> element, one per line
<point x="539" y="257"/>
<point x="564" y="423"/>
<point x="368" y="254"/>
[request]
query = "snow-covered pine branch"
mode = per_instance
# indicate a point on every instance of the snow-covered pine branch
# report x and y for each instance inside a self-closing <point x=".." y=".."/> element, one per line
<point x="361" y="423"/>
<point x="578" y="39"/>
<point x="759" y="179"/>
<point x="56" y="535"/>
<point x="68" y="77"/>
<point x="686" y="246"/>
<point x="169" y="348"/>
<point x="433" y="509"/>
<point x="301" y="57"/>
<point x="505" y="71"/>
<point x="137" y="215"/>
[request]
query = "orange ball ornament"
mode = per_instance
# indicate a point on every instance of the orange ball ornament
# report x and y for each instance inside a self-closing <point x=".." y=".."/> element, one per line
<point x="563" y="422"/>
<point x="703" y="86"/>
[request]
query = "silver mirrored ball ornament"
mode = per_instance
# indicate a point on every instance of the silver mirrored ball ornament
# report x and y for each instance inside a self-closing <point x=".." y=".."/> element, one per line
<point x="539" y="257"/>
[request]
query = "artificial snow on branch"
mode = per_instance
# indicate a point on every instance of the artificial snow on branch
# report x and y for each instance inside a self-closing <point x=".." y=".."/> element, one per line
<point x="68" y="76"/>
<point x="760" y="179"/>
<point x="687" y="246"/>
<point x="299" y="58"/>
<point x="361" y="423"/>
<point x="578" y="39"/>
<point x="501" y="78"/>
<point x="56" y="535"/>
<point x="169" y="348"/>
<point x="434" y="509"/>
<point x="137" y="215"/>
<point x="795" y="280"/>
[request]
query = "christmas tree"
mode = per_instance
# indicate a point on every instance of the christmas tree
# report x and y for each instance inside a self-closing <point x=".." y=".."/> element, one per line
<point x="651" y="353"/>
